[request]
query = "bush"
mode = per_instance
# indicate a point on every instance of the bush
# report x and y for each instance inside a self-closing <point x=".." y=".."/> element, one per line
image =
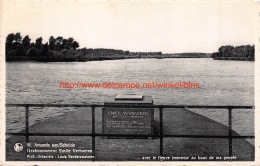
<point x="31" y="53"/>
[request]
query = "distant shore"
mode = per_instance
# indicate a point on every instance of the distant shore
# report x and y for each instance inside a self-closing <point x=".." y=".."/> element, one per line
<point x="62" y="49"/>
<point x="239" y="53"/>
<point x="103" y="57"/>
<point x="235" y="58"/>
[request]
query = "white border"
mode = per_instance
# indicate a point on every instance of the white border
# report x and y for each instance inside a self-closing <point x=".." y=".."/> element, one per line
<point x="2" y="107"/>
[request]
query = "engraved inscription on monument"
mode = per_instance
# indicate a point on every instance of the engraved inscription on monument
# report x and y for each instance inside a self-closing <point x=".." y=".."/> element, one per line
<point x="127" y="120"/>
<point x="118" y="120"/>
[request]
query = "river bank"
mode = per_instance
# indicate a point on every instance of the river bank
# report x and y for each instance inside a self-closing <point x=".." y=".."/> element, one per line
<point x="85" y="58"/>
<point x="235" y="58"/>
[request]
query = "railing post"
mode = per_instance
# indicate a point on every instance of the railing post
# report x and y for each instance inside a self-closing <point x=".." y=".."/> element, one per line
<point x="93" y="133"/>
<point x="230" y="130"/>
<point x="161" y="131"/>
<point x="26" y="130"/>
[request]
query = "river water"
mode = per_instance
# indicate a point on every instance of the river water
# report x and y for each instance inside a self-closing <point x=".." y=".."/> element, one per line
<point x="221" y="83"/>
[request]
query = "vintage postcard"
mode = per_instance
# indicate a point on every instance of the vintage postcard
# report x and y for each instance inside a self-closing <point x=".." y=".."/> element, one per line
<point x="129" y="82"/>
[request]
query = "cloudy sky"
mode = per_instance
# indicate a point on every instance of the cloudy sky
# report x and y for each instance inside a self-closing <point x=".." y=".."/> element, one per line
<point x="137" y="26"/>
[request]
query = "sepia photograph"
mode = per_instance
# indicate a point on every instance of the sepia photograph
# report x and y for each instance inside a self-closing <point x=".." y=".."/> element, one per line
<point x="142" y="81"/>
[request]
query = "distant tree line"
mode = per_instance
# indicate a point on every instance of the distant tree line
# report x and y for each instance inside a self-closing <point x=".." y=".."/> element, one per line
<point x="188" y="55"/>
<point x="61" y="49"/>
<point x="246" y="52"/>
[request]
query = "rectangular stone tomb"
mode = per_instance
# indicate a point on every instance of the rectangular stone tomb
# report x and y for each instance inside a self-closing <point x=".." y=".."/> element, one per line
<point x="129" y="97"/>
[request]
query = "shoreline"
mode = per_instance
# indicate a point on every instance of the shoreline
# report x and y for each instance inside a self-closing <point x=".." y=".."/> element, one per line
<point x="106" y="59"/>
<point x="234" y="58"/>
<point x="23" y="59"/>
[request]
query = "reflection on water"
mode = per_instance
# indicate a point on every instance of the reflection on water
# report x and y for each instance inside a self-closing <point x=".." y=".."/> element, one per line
<point x="222" y="83"/>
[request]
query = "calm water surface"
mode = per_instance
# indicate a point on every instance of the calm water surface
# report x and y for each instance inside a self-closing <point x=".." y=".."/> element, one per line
<point x="222" y="83"/>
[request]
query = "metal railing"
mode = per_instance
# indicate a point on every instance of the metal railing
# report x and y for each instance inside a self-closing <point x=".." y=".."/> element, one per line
<point x="161" y="135"/>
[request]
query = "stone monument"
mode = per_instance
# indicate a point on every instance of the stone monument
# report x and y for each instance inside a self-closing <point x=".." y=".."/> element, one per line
<point x="127" y="121"/>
